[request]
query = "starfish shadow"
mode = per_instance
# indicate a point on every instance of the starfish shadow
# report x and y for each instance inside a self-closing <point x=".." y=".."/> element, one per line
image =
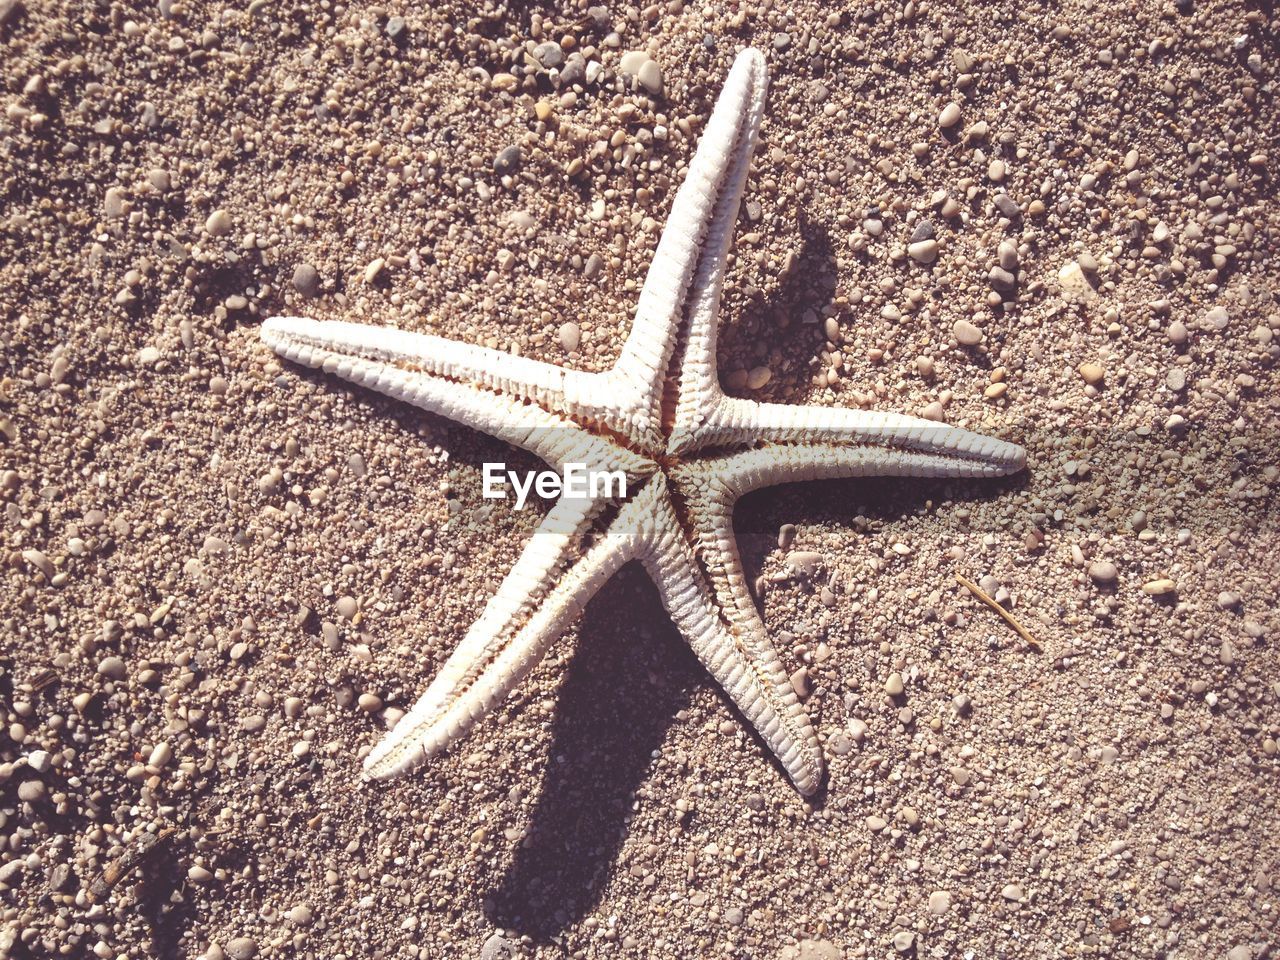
<point x="858" y="505"/>
<point x="602" y="743"/>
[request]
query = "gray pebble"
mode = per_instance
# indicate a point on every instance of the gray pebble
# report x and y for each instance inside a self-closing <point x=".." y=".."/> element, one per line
<point x="949" y="116"/>
<point x="1002" y="280"/>
<point x="31" y="791"/>
<point x="923" y="231"/>
<point x="498" y="947"/>
<point x="507" y="161"/>
<point x="242" y="948"/>
<point x="113" y="668"/>
<point x="548" y="54"/>
<point x="395" y="27"/>
<point x="1007" y="256"/>
<point x="1006" y="205"/>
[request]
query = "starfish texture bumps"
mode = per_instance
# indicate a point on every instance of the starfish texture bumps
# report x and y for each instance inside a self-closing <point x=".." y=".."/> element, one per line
<point x="688" y="452"/>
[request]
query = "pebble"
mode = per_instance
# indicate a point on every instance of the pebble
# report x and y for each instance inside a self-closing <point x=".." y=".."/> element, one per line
<point x="160" y="754"/>
<point x="113" y="203"/>
<point x="218" y="224"/>
<point x="31" y="791"/>
<point x="198" y="874"/>
<point x="949" y="116"/>
<point x="570" y="335"/>
<point x="903" y="940"/>
<point x="1240" y="952"/>
<point x="1159" y="588"/>
<point x="395" y="27"/>
<point x="369" y="702"/>
<point x="306" y="280"/>
<point x="734" y="916"/>
<point x="1014" y="892"/>
<point x="1007" y="206"/>
<point x="113" y="668"/>
<point x="1103" y="572"/>
<point x="923" y="251"/>
<point x="1071" y="278"/>
<point x="1093" y="373"/>
<point x="812" y="950"/>
<point x="301" y="915"/>
<point x="549" y="54"/>
<point x="1216" y="319"/>
<point x="923" y="231"/>
<point x="241" y="948"/>
<point x="1007" y="256"/>
<point x="650" y="77"/>
<point x="1177" y="332"/>
<point x="801" y="683"/>
<point x="893" y="686"/>
<point x="347" y="607"/>
<point x="757" y="377"/>
<point x="1002" y="279"/>
<point x="507" y="160"/>
<point x="966" y="334"/>
<point x="498" y="947"/>
<point x="939" y="902"/>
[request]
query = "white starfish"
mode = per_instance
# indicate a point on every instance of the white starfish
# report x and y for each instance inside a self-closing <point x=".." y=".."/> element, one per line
<point x="689" y="452"/>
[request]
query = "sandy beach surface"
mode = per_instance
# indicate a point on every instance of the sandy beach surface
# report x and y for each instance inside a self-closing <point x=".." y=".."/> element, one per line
<point x="226" y="576"/>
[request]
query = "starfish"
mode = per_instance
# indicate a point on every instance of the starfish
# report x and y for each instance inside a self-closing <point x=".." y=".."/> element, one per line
<point x="688" y="452"/>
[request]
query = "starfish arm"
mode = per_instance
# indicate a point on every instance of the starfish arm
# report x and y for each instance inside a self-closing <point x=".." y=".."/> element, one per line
<point x="699" y="384"/>
<point x="744" y="421"/>
<point x="694" y="242"/>
<point x="544" y="592"/>
<point x="572" y="394"/>
<point x="705" y="594"/>
<point x="789" y="463"/>
<point x="360" y="354"/>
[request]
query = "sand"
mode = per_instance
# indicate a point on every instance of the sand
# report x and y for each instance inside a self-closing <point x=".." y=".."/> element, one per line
<point x="225" y="575"/>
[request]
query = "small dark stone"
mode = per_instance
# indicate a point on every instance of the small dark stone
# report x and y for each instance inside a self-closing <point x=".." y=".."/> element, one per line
<point x="1184" y="6"/>
<point x="507" y="161"/>
<point x="61" y="879"/>
<point x="1006" y="205"/>
<point x="548" y="54"/>
<point x="599" y="17"/>
<point x="923" y="231"/>
<point x="573" y="71"/>
<point x="708" y="41"/>
<point x="306" y="280"/>
<point x="1002" y="280"/>
<point x="7" y="10"/>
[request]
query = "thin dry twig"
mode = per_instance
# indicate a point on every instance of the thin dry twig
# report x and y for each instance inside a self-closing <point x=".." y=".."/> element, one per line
<point x="127" y="862"/>
<point x="1008" y="617"/>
